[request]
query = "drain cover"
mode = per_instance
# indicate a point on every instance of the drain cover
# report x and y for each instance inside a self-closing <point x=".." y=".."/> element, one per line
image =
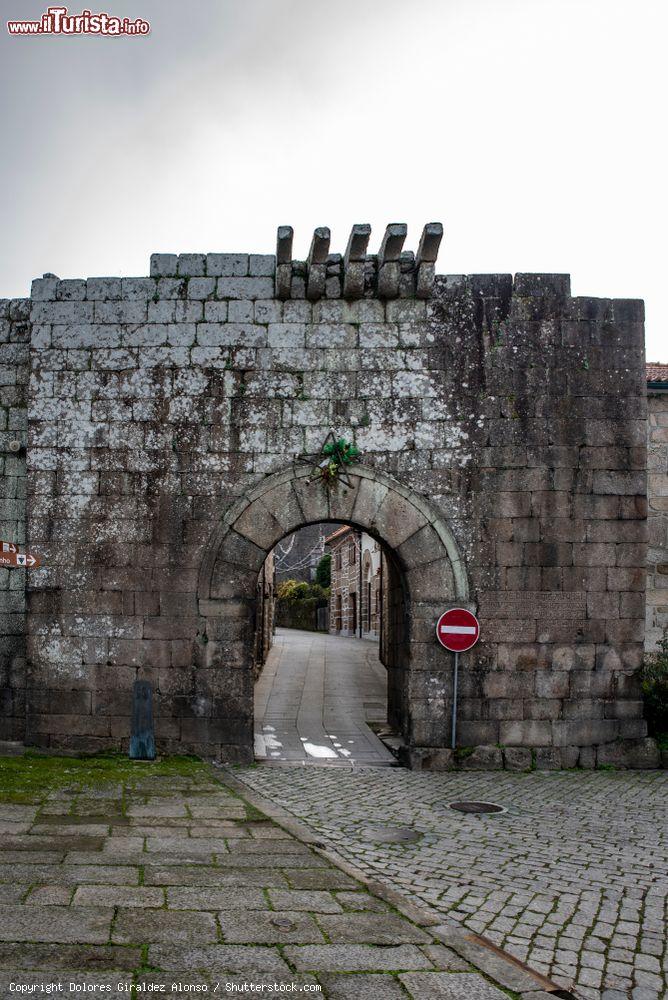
<point x="388" y="834"/>
<point x="477" y="807"/>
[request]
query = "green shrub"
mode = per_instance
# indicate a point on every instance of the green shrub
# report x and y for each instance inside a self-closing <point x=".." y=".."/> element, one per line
<point x="655" y="688"/>
<point x="298" y="603"/>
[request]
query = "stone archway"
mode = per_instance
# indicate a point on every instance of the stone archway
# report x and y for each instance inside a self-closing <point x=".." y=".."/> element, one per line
<point x="427" y="574"/>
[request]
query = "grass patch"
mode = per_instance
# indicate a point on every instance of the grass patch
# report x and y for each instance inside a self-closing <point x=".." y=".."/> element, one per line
<point x="30" y="777"/>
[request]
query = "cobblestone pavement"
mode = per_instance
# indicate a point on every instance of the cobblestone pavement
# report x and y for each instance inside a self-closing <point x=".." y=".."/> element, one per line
<point x="173" y="881"/>
<point x="572" y="879"/>
<point x="315" y="696"/>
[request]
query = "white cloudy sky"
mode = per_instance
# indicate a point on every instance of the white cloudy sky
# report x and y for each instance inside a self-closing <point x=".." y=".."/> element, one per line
<point x="533" y="129"/>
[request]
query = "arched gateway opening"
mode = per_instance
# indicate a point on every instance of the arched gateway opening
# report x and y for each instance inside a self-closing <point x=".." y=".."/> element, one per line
<point x="425" y="570"/>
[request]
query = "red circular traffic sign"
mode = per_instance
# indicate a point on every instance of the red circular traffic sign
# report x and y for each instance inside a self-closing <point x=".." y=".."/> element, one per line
<point x="457" y="630"/>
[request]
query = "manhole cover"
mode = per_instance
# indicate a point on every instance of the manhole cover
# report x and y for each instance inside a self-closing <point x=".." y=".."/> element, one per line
<point x="477" y="807"/>
<point x="388" y="834"/>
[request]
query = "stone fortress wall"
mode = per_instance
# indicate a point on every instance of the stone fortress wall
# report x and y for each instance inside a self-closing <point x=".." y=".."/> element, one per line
<point x="511" y="412"/>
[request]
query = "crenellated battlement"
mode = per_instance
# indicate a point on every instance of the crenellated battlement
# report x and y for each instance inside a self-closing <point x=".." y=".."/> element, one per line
<point x="391" y="273"/>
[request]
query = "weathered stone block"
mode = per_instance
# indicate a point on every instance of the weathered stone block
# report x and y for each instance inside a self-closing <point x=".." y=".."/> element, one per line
<point x="549" y="759"/>
<point x="634" y="754"/>
<point x="525" y="733"/>
<point x="517" y="759"/>
<point x="483" y="758"/>
<point x="163" y="264"/>
<point x="583" y="733"/>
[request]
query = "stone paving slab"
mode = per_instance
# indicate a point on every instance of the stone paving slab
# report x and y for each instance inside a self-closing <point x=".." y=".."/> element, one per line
<point x="56" y="923"/>
<point x="63" y="958"/>
<point x="314" y="901"/>
<point x="218" y="958"/>
<point x="356" y="957"/>
<point x="133" y="925"/>
<point x="232" y="897"/>
<point x="208" y="876"/>
<point x="449" y="986"/>
<point x="363" y="987"/>
<point x="572" y="879"/>
<point x="12" y="893"/>
<point x="49" y="895"/>
<point x="280" y="926"/>
<point x="69" y="874"/>
<point x="371" y="928"/>
<point x="118" y="895"/>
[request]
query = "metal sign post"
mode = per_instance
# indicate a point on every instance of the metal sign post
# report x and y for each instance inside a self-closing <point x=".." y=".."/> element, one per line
<point x="457" y="630"/>
<point x="454" y="702"/>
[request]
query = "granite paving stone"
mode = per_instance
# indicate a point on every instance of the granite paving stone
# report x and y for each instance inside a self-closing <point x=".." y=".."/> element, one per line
<point x="325" y="878"/>
<point x="232" y="897"/>
<point x="55" y="923"/>
<point x="12" y="893"/>
<point x="217" y="958"/>
<point x="371" y="928"/>
<point x="133" y="925"/>
<point x="361" y="901"/>
<point x="315" y="901"/>
<point x="50" y="895"/>
<point x="355" y="957"/>
<point x="69" y="874"/>
<point x="362" y="987"/>
<point x="62" y="958"/>
<point x="263" y="927"/>
<point x="449" y="986"/>
<point x="118" y="895"/>
<point x="192" y="876"/>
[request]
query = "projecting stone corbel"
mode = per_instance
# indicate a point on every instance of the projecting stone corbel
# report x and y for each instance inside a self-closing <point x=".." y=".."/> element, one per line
<point x="354" y="261"/>
<point x="389" y="267"/>
<point x="316" y="265"/>
<point x="430" y="241"/>
<point x="284" y="238"/>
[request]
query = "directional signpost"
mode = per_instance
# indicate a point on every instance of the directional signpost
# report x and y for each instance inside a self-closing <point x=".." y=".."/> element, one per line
<point x="457" y="630"/>
<point x="10" y="556"/>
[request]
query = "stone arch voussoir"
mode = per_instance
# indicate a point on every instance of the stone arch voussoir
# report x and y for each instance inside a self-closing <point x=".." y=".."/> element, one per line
<point x="409" y="525"/>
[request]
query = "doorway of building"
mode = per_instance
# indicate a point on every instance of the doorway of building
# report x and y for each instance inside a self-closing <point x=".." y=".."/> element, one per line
<point x="322" y="688"/>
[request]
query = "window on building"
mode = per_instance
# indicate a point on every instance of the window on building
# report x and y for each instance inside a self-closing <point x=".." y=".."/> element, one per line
<point x="352" y="551"/>
<point x="353" y="612"/>
<point x="338" y="560"/>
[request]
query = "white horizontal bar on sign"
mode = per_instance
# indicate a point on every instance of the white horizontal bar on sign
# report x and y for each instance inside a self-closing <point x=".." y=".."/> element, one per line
<point x="459" y="629"/>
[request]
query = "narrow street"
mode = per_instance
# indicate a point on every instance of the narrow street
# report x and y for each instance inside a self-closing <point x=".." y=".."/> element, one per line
<point x="315" y="699"/>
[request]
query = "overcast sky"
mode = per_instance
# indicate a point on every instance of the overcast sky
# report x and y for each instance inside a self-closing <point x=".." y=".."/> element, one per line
<point x="533" y="129"/>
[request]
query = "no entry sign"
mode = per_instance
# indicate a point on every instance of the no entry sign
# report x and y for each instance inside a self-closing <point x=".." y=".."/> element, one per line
<point x="457" y="630"/>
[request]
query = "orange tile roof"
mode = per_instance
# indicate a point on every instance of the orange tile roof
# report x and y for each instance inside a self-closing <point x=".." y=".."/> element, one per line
<point x="656" y="372"/>
<point x="339" y="531"/>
